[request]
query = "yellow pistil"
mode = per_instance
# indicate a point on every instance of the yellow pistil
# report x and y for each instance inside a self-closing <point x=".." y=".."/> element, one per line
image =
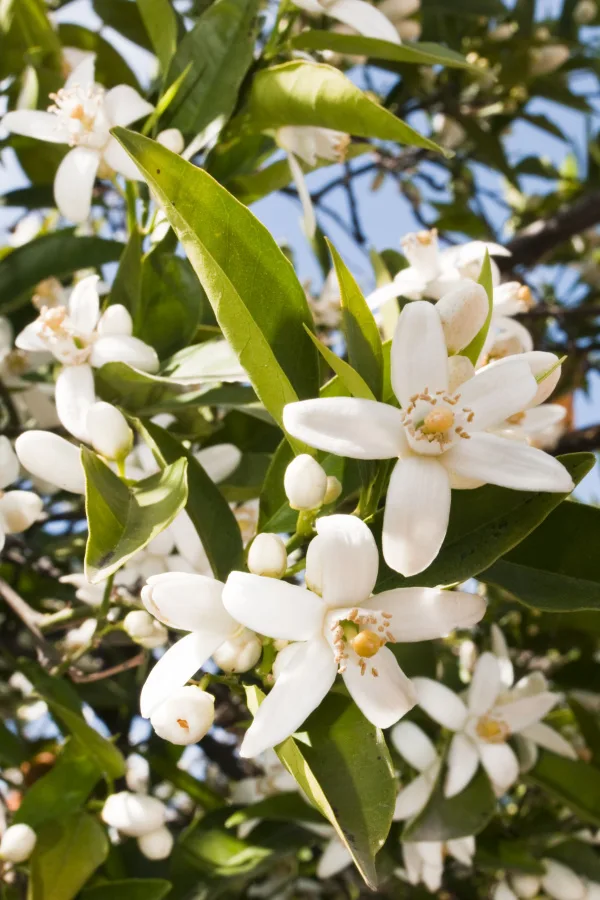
<point x="437" y="421"/>
<point x="494" y="731"/>
<point x="425" y="238"/>
<point x="366" y="643"/>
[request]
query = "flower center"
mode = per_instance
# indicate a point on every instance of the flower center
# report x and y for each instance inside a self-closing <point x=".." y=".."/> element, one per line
<point x="438" y="420"/>
<point x="366" y="643"/>
<point x="365" y="633"/>
<point x="494" y="731"/>
<point x="53" y="319"/>
<point x="77" y="108"/>
<point x="432" y="425"/>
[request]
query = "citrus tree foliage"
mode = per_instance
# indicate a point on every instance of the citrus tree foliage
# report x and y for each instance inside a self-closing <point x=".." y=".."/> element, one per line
<point x="294" y="598"/>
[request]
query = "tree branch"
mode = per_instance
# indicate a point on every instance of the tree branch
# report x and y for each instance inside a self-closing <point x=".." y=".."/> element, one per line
<point x="584" y="439"/>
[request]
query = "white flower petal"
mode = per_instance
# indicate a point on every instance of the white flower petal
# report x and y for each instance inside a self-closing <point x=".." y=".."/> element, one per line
<point x="347" y="426"/>
<point x="30" y="339"/>
<point x="124" y="348"/>
<point x="416" y="514"/>
<point x="308" y="212"/>
<point x="84" y="305"/>
<point x="510" y="464"/>
<point x="9" y="463"/>
<point x="526" y="711"/>
<point x="485" y="685"/>
<point x="495" y="394"/>
<point x="383" y="698"/>
<point x="300" y="687"/>
<point x="463" y="762"/>
<point x="342" y="561"/>
<point x="188" y="543"/>
<point x="51" y="458"/>
<point x="219" y="461"/>
<point x="74" y="396"/>
<point x="116" y="319"/>
<point x="413" y="862"/>
<point x="562" y="883"/>
<point x="382" y="294"/>
<point x="188" y="602"/>
<point x="462" y="849"/>
<point x="500" y="650"/>
<point x="527" y="886"/>
<point x="84" y="73"/>
<point x="335" y="858"/>
<point x="274" y="608"/>
<point x="35" y="123"/>
<point x="19" y="510"/>
<point x="118" y="159"/>
<point x="74" y="183"/>
<point x="412" y="798"/>
<point x="413" y="745"/>
<point x="547" y="737"/>
<point x="539" y="362"/>
<point x="419" y="355"/>
<point x="123" y="105"/>
<point x="542" y="417"/>
<point x="423" y="614"/>
<point x="440" y="703"/>
<point x="364" y="18"/>
<point x="503" y="892"/>
<point x="176" y="667"/>
<point x="501" y="765"/>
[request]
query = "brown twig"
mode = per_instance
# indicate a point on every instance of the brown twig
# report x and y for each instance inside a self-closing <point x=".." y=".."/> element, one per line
<point x="131" y="663"/>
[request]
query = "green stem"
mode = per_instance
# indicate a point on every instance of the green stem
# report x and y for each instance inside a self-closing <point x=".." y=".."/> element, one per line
<point x="131" y="198"/>
<point x="105" y="605"/>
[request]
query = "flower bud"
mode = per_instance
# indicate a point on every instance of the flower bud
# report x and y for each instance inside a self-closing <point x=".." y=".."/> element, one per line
<point x="560" y="882"/>
<point x="460" y="369"/>
<point x="585" y="12"/>
<point x="526" y="887"/>
<point x="19" y="510"/>
<point x="51" y="458"/>
<point x="267" y="556"/>
<point x="17" y="843"/>
<point x="9" y="463"/>
<point x="240" y="653"/>
<point x="334" y="489"/>
<point x="109" y="433"/>
<point x="115" y="319"/>
<point x="463" y="312"/>
<point x="144" y="629"/>
<point x="77" y="638"/>
<point x="185" y="717"/>
<point x="172" y="139"/>
<point x="156" y="844"/>
<point x="305" y="483"/>
<point x="133" y="814"/>
<point x="545" y="60"/>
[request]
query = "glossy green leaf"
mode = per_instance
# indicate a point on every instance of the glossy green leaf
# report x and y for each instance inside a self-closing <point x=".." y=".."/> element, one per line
<point x="67" y="852"/>
<point x="443" y="819"/>
<point x="124" y="16"/>
<point x="279" y="808"/>
<point x="27" y="36"/>
<point x="362" y="334"/>
<point x="466" y="7"/>
<point x="160" y="22"/>
<point x="358" y="45"/>
<point x="122" y="519"/>
<point x="352" y="381"/>
<point x="573" y="782"/>
<point x="553" y="569"/>
<point x="111" y="68"/>
<point x="342" y="764"/>
<point x="126" y="289"/>
<point x="307" y="93"/>
<point x="13" y="750"/>
<point x="107" y="758"/>
<point x="258" y="301"/>
<point x="473" y="350"/>
<point x="129" y="889"/>
<point x="219" y="48"/>
<point x="589" y="725"/>
<point x="207" y="508"/>
<point x="485" y="523"/>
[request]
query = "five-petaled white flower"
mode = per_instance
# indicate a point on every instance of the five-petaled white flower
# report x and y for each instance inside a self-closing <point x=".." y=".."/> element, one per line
<point x="18" y="509"/>
<point x="558" y="882"/>
<point x="338" y="626"/>
<point x="81" y="115"/>
<point x="439" y="436"/>
<point x="416" y="748"/>
<point x="424" y="860"/>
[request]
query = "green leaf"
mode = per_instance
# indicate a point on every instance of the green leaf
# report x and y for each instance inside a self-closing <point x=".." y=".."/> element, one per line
<point x="122" y="519"/>
<point x="67" y="852"/>
<point x="445" y="819"/>
<point x="129" y="889"/>
<point x="258" y="301"/>
<point x="579" y="857"/>
<point x="27" y="36"/>
<point x="13" y="750"/>
<point x="124" y="16"/>
<point x="574" y="783"/>
<point x="160" y="22"/>
<point x="466" y="7"/>
<point x="473" y="350"/>
<point x="63" y="790"/>
<point x="485" y="523"/>
<point x="357" y="45"/>
<point x="58" y="254"/>
<point x="219" y="49"/>
<point x="349" y="377"/>
<point x="288" y="807"/>
<point x="362" y="334"/>
<point x="589" y="725"/>
<point x="111" y="68"/>
<point x="107" y="758"/>
<point x="342" y="764"/>
<point x="207" y="508"/>
<point x="307" y="93"/>
<point x="127" y="287"/>
<point x="557" y="568"/>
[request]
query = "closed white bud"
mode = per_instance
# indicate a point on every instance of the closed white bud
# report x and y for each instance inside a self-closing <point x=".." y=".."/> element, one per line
<point x="239" y="653"/>
<point x="267" y="556"/>
<point x="526" y="887"/>
<point x="172" y="139"/>
<point x="463" y="312"/>
<point x="115" y="319"/>
<point x="156" y="844"/>
<point x="17" y="843"/>
<point x="561" y="883"/>
<point x="109" y="433"/>
<point x="185" y="717"/>
<point x="51" y="458"/>
<point x="460" y="369"/>
<point x="334" y="489"/>
<point x="133" y="814"/>
<point x="305" y="483"/>
<point x="19" y="510"/>
<point x="544" y="60"/>
<point x="503" y="32"/>
<point x="144" y="629"/>
<point x="585" y="12"/>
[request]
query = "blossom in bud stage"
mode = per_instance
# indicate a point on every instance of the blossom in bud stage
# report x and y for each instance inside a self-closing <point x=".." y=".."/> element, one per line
<point x="137" y="773"/>
<point x="51" y="458"/>
<point x="240" y="653"/>
<point x="108" y="431"/>
<point x="17" y="843"/>
<point x="439" y="438"/>
<point x="144" y="629"/>
<point x="463" y="311"/>
<point x="448" y="131"/>
<point x="267" y="556"/>
<point x="18" y="509"/>
<point x="81" y="115"/>
<point x="503" y="32"/>
<point x="545" y="60"/>
<point x="78" y="638"/>
<point x="506" y="335"/>
<point x="172" y="139"/>
<point x="9" y="463"/>
<point x="424" y="861"/>
<point x="364" y="18"/>
<point x="333" y="491"/>
<point x="585" y="12"/>
<point x="416" y="748"/>
<point x="134" y="814"/>
<point x="156" y="844"/>
<point x="185" y="716"/>
<point x="558" y="882"/>
<point x="305" y="483"/>
<point x="339" y="627"/>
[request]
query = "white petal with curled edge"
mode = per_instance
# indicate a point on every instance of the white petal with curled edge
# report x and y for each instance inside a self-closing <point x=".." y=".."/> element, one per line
<point x="547" y="737"/>
<point x="500" y="650"/>
<point x="539" y="362"/>
<point x="274" y="608"/>
<point x="308" y="212"/>
<point x="384" y="293"/>
<point x="419" y="355"/>
<point x="116" y="319"/>
<point x="19" y="510"/>
<point x="124" y="105"/>
<point x="219" y="461"/>
<point x="416" y="514"/>
<point x="118" y="159"/>
<point x="335" y="858"/>
<point x="30" y="338"/>
<point x="342" y="561"/>
<point x="413" y="862"/>
<point x="463" y="762"/>
<point x="485" y="685"/>
<point x="74" y="183"/>
<point x="84" y="305"/>
<point x="510" y="464"/>
<point x="385" y="697"/>
<point x="526" y="711"/>
<point x="423" y="614"/>
<point x="83" y="74"/>
<point x="51" y="458"/>
<point x="124" y="348"/>
<point x="542" y="417"/>
<point x="300" y="687"/>
<point x="188" y="602"/>
<point x="9" y="463"/>
<point x="35" y="123"/>
<point x="364" y="18"/>
<point x="413" y="745"/>
<point x="440" y="703"/>
<point x="495" y="394"/>
<point x="412" y="798"/>
<point x="462" y="849"/>
<point x="176" y="667"/>
<point x="347" y="426"/>
<point x="74" y="396"/>
<point x="501" y="765"/>
<point x="562" y="883"/>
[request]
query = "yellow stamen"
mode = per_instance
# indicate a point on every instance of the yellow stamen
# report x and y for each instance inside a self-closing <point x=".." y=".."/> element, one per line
<point x="438" y="420"/>
<point x="494" y="731"/>
<point x="183" y="723"/>
<point x="524" y="294"/>
<point x="516" y="419"/>
<point x="366" y="643"/>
